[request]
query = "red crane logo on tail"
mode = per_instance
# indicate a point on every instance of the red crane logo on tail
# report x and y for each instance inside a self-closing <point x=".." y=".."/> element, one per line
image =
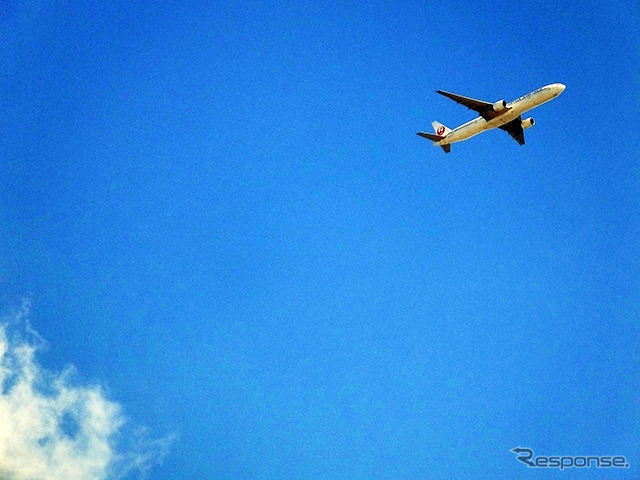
<point x="440" y="130"/>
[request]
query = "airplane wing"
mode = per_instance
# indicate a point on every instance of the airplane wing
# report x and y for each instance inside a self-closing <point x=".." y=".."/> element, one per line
<point x="514" y="128"/>
<point x="485" y="109"/>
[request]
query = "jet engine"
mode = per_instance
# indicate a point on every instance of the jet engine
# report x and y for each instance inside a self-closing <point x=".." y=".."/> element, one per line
<point x="499" y="106"/>
<point x="529" y="122"/>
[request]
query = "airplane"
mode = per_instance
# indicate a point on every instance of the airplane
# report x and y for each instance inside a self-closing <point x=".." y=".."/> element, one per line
<point x="503" y="115"/>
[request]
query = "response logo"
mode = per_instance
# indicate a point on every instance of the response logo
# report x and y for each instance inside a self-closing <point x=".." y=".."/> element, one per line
<point x="562" y="462"/>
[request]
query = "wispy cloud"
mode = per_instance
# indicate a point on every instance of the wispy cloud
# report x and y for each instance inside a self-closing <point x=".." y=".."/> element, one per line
<point x="52" y="428"/>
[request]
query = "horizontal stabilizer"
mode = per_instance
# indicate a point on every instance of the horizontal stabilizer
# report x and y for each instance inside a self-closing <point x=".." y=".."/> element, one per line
<point x="430" y="136"/>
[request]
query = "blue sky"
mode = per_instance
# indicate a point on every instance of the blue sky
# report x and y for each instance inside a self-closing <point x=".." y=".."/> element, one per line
<point x="220" y="213"/>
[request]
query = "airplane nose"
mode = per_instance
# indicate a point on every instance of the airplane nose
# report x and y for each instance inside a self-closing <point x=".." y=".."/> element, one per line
<point x="561" y="86"/>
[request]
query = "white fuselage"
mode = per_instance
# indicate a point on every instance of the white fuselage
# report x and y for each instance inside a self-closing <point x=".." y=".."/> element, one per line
<point x="513" y="110"/>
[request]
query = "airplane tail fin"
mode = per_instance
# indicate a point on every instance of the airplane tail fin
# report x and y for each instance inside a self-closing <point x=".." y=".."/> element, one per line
<point x="440" y="129"/>
<point x="441" y="132"/>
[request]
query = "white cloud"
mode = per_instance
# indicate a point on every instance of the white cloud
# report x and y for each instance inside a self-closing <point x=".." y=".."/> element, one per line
<point x="51" y="429"/>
